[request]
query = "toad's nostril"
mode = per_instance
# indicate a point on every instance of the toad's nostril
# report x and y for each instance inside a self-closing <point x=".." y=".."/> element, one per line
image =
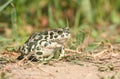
<point x="62" y="35"/>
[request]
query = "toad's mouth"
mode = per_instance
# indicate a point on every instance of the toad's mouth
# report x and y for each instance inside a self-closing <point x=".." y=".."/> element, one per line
<point x="61" y="40"/>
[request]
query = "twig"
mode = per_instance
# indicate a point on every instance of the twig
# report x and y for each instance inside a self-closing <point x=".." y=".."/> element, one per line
<point x="100" y="53"/>
<point x="72" y="51"/>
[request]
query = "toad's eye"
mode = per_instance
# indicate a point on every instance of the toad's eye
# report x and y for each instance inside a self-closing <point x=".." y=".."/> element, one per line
<point x="60" y="32"/>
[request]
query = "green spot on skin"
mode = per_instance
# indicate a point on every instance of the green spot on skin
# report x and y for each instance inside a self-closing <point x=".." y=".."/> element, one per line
<point x="40" y="37"/>
<point x="60" y="32"/>
<point x="51" y="33"/>
<point x="31" y="43"/>
<point x="45" y="44"/>
<point x="38" y="48"/>
<point x="45" y="33"/>
<point x="55" y="36"/>
<point x="39" y="53"/>
<point x="46" y="37"/>
<point x="51" y="37"/>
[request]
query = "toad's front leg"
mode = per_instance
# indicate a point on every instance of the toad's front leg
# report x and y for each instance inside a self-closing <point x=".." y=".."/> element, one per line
<point x="62" y="52"/>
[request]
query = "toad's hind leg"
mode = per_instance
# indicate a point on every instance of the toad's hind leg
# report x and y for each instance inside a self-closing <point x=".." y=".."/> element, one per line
<point x="44" y="55"/>
<point x="49" y="57"/>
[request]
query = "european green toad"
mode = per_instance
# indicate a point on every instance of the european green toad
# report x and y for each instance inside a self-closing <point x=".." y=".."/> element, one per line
<point x="43" y="45"/>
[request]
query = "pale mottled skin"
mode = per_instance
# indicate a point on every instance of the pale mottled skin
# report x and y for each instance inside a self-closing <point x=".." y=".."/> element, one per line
<point x="45" y="44"/>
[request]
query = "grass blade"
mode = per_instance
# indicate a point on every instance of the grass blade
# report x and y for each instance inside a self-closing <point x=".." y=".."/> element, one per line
<point x="5" y="5"/>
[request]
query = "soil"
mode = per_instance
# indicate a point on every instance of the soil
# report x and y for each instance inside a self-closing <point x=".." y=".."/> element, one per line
<point x="57" y="70"/>
<point x="104" y="64"/>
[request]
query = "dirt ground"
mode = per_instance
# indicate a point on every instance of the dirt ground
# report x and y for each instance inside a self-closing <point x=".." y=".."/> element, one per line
<point x="105" y="64"/>
<point x="58" y="70"/>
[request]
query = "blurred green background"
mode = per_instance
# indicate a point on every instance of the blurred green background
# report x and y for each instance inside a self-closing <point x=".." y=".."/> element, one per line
<point x="98" y="18"/>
